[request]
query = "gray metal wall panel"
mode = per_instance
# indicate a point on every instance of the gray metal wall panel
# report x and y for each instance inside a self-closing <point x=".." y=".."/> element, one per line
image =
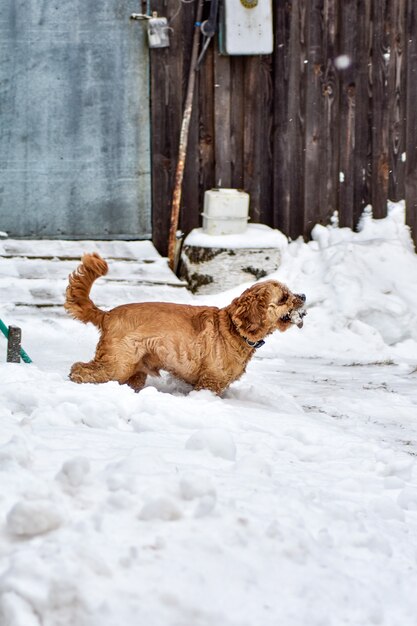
<point x="74" y="126"/>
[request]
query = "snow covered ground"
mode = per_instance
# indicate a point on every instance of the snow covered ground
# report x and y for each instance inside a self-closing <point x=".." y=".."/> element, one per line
<point x="290" y="501"/>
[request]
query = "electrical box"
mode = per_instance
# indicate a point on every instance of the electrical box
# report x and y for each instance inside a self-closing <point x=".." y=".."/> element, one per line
<point x="246" y="27"/>
<point x="158" y="32"/>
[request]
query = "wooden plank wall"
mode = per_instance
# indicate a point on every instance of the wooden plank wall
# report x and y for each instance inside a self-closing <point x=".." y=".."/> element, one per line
<point x="321" y="125"/>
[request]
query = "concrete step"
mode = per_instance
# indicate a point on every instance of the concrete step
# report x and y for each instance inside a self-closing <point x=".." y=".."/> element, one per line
<point x="35" y="273"/>
<point x="73" y="250"/>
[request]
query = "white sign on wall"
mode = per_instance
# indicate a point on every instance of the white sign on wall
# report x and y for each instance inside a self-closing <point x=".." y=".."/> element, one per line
<point x="246" y="27"/>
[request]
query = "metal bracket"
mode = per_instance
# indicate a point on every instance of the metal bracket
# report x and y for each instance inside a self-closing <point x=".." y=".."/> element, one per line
<point x="208" y="29"/>
<point x="140" y="16"/>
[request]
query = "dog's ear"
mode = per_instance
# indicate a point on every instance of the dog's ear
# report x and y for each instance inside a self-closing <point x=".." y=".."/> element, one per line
<point x="248" y="311"/>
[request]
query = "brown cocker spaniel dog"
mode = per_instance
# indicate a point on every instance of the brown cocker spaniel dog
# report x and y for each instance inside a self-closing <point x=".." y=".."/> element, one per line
<point x="205" y="346"/>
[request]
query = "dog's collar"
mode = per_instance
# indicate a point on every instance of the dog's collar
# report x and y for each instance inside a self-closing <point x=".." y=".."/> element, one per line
<point x="254" y="344"/>
<point x="251" y="344"/>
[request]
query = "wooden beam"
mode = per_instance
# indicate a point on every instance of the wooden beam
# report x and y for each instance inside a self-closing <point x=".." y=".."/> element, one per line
<point x="222" y="122"/>
<point x="295" y="119"/>
<point x="206" y="124"/>
<point x="237" y="119"/>
<point x="397" y="100"/>
<point x="380" y="110"/>
<point x="348" y="40"/>
<point x="280" y="161"/>
<point x="313" y="114"/>
<point x="255" y="159"/>
<point x="329" y="149"/>
<point x="363" y="111"/>
<point x="411" y="133"/>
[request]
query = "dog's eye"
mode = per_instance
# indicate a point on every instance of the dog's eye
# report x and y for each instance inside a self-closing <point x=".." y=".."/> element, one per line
<point x="283" y="299"/>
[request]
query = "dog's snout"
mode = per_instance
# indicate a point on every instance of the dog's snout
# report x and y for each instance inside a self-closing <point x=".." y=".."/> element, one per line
<point x="301" y="296"/>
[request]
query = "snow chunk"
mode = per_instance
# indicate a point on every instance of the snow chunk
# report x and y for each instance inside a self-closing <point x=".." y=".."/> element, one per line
<point x="16" y="611"/>
<point x="387" y="509"/>
<point x="193" y="486"/>
<point x="15" y="451"/>
<point x="407" y="499"/>
<point x="217" y="441"/>
<point x="33" y="518"/>
<point x="343" y="61"/>
<point x="162" y="507"/>
<point x="74" y="472"/>
<point x="200" y="488"/>
<point x="205" y="506"/>
<point x="253" y="464"/>
<point x="103" y="415"/>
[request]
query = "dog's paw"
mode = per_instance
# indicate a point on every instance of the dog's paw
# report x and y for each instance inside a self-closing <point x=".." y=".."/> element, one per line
<point x="75" y="374"/>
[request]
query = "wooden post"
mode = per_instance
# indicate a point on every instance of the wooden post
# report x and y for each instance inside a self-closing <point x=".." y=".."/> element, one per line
<point x="257" y="171"/>
<point x="222" y="122"/>
<point x="380" y="111"/>
<point x="348" y="48"/>
<point x="362" y="171"/>
<point x="280" y="163"/>
<point x="313" y="145"/>
<point x="329" y="151"/>
<point x="294" y="181"/>
<point x="411" y="141"/>
<point x="14" y="340"/>
<point x="397" y="100"/>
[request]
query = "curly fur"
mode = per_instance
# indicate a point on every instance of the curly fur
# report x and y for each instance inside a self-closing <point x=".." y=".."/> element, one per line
<point x="204" y="346"/>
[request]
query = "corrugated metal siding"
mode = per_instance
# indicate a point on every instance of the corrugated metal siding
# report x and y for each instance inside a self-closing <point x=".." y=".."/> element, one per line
<point x="75" y="154"/>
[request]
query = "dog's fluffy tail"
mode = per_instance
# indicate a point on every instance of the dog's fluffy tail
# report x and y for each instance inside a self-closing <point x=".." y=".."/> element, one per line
<point x="78" y="302"/>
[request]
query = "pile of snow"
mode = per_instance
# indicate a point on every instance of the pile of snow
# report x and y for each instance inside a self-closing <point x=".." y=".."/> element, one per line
<point x="361" y="290"/>
<point x="291" y="500"/>
<point x="361" y="287"/>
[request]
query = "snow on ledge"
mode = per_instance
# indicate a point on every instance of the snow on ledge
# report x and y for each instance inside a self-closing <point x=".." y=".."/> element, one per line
<point x="256" y="236"/>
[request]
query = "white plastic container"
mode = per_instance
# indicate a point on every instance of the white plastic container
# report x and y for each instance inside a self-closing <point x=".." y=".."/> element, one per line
<point x="225" y="211"/>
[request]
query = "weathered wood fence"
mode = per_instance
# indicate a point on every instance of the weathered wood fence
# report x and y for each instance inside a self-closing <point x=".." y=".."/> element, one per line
<point x="326" y="123"/>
